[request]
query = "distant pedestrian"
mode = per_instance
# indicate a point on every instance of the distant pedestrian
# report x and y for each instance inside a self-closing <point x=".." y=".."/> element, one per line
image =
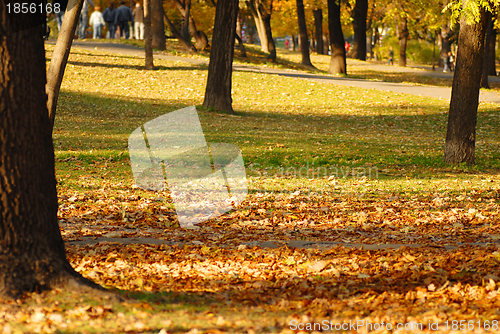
<point x="97" y="22"/>
<point x="287" y="43"/>
<point x="60" y="14"/>
<point x="451" y="61"/>
<point x="84" y="18"/>
<point x="109" y="17"/>
<point x="446" y="61"/>
<point x="123" y="17"/>
<point x="391" y="56"/>
<point x="138" y="21"/>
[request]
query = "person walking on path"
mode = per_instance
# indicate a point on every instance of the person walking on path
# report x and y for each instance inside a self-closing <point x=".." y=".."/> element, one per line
<point x="109" y="17"/>
<point x="123" y="17"/>
<point x="391" y="56"/>
<point x="60" y="14"/>
<point x="84" y="18"/>
<point x="451" y="61"/>
<point x="97" y="22"/>
<point x="138" y="21"/>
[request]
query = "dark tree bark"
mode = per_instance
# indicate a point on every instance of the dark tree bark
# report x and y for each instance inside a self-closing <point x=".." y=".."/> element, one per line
<point x="185" y="23"/>
<point x="61" y="54"/>
<point x="492" y="56"/>
<point x="318" y="24"/>
<point x="359" y="25"/>
<point x="157" y="25"/>
<point x="337" y="42"/>
<point x="220" y="68"/>
<point x="304" y="39"/>
<point x="32" y="254"/>
<point x="403" y="41"/>
<point x="487" y="53"/>
<point x="148" y="42"/>
<point x="461" y="134"/>
<point x="199" y="36"/>
<point x="185" y="43"/>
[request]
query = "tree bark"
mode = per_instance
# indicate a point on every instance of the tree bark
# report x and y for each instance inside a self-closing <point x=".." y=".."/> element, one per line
<point x="318" y="24"/>
<point x="148" y="42"/>
<point x="157" y="25"/>
<point x="492" y="70"/>
<point x="359" y="25"/>
<point x="487" y="53"/>
<point x="259" y="24"/>
<point x="199" y="36"/>
<point x="462" y="117"/>
<point x="60" y="55"/>
<point x="220" y="68"/>
<point x="304" y="39"/>
<point x="185" y="24"/>
<point x="185" y="43"/>
<point x="337" y="43"/>
<point x="266" y="17"/>
<point x="403" y="41"/>
<point x="32" y="254"/>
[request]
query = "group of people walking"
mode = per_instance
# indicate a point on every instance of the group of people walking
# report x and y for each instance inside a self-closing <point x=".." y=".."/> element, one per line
<point x="116" y="19"/>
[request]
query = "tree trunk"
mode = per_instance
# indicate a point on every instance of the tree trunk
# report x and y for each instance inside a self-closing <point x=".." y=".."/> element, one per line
<point x="157" y="25"/>
<point x="259" y="24"/>
<point x="337" y="42"/>
<point x="318" y="24"/>
<point x="492" y="46"/>
<point x="271" y="46"/>
<point x="32" y="254"/>
<point x="220" y="68"/>
<point x="359" y="26"/>
<point x="326" y="44"/>
<point x="199" y="36"/>
<point x="148" y="38"/>
<point x="294" y="42"/>
<point x="185" y="23"/>
<point x="61" y="54"/>
<point x="185" y="43"/>
<point x="487" y="53"/>
<point x="304" y="40"/>
<point x="403" y="41"/>
<point x="461" y="134"/>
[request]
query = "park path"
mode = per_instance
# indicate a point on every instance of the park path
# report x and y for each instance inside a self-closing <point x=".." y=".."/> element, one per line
<point x="428" y="91"/>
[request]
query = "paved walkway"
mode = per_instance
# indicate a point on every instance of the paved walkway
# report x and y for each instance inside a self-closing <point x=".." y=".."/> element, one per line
<point x="278" y="243"/>
<point x="429" y="91"/>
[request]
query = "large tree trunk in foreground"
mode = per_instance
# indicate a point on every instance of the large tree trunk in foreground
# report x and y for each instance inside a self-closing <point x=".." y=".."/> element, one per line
<point x="461" y="135"/>
<point x="318" y="24"/>
<point x="337" y="42"/>
<point x="61" y="54"/>
<point x="304" y="39"/>
<point x="220" y="68"/>
<point x="148" y="38"/>
<point x="32" y="255"/>
<point x="359" y="26"/>
<point x="403" y="41"/>
<point x="157" y="25"/>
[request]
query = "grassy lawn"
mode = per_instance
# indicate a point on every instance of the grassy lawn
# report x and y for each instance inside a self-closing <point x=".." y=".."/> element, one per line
<point x="324" y="163"/>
